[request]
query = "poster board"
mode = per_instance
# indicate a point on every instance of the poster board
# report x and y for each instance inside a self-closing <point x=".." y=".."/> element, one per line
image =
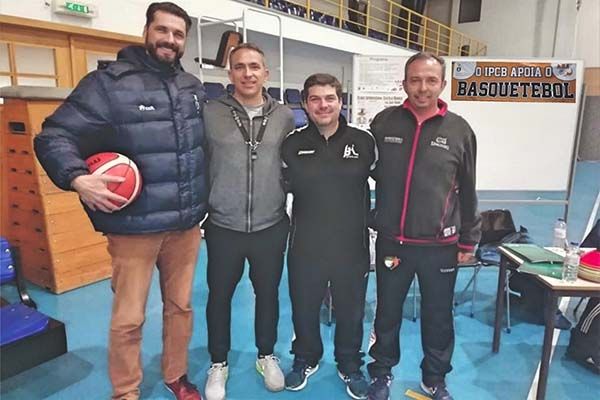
<point x="524" y="113"/>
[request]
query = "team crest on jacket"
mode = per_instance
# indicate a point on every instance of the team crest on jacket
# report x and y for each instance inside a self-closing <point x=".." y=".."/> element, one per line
<point x="349" y="151"/>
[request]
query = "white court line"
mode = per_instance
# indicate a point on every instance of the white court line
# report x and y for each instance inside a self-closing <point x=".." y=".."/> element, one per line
<point x="564" y="303"/>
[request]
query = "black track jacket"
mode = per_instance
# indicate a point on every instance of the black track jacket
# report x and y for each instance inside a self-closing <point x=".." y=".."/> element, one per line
<point x="328" y="179"/>
<point x="425" y="193"/>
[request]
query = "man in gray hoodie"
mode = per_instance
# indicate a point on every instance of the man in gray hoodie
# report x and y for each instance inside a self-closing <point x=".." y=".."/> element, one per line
<point x="247" y="218"/>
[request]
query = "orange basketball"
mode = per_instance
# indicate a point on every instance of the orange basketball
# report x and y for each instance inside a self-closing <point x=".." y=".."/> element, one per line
<point x="116" y="164"/>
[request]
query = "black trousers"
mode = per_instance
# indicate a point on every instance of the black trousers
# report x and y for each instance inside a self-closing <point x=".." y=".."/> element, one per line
<point x="308" y="277"/>
<point x="436" y="270"/>
<point x="227" y="251"/>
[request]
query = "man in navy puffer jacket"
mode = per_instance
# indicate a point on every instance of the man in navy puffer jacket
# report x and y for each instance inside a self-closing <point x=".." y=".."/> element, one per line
<point x="146" y="107"/>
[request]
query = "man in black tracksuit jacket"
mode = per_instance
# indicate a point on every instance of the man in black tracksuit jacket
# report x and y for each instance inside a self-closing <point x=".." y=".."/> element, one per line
<point x="326" y="167"/>
<point x="427" y="222"/>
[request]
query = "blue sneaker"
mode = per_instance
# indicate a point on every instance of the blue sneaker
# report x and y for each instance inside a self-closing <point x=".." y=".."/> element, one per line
<point x="438" y="391"/>
<point x="297" y="378"/>
<point x="357" y="386"/>
<point x="380" y="388"/>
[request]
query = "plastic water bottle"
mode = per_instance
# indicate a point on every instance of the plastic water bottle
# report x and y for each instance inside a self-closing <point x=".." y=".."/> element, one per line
<point x="560" y="234"/>
<point x="571" y="263"/>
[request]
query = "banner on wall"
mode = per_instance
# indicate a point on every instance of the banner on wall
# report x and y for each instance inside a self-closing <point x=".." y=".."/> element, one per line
<point x="514" y="81"/>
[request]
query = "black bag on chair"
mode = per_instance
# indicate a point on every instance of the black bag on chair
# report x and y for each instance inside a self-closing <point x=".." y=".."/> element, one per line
<point x="496" y="224"/>
<point x="497" y="227"/>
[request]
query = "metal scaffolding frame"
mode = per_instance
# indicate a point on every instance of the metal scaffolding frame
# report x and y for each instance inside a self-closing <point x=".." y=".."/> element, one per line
<point x="244" y="26"/>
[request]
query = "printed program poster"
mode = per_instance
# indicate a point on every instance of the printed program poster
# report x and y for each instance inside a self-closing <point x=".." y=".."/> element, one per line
<point x="378" y="86"/>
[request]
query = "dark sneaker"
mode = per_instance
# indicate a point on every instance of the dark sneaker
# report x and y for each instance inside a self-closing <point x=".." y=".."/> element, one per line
<point x="561" y="322"/>
<point x="380" y="388"/>
<point x="582" y="354"/>
<point x="437" y="392"/>
<point x="182" y="389"/>
<point x="357" y="386"/>
<point x="297" y="378"/>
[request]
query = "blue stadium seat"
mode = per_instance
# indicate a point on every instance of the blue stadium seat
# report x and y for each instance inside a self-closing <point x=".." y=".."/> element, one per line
<point x="214" y="90"/>
<point x="292" y="98"/>
<point x="19" y="321"/>
<point x="230" y="88"/>
<point x="346" y="100"/>
<point x="344" y="112"/>
<point x="378" y="35"/>
<point x="280" y="5"/>
<point x="324" y="18"/>
<point x="275" y="93"/>
<point x="7" y="269"/>
<point x="300" y="117"/>
<point x="27" y="337"/>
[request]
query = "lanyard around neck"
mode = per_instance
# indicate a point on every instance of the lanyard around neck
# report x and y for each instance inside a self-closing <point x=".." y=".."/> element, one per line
<point x="252" y="143"/>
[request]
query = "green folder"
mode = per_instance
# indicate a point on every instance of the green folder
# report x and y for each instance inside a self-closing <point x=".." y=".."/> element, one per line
<point x="537" y="260"/>
<point x="546" y="269"/>
<point x="533" y="253"/>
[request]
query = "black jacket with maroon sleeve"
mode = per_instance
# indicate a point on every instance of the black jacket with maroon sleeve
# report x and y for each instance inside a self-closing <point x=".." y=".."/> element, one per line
<point x="425" y="193"/>
<point x="328" y="179"/>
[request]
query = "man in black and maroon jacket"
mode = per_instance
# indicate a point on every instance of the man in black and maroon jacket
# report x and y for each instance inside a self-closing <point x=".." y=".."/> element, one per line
<point x="427" y="222"/>
<point x="326" y="167"/>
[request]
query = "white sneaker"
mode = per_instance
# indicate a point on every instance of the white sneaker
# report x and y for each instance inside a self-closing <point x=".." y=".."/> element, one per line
<point x="215" y="384"/>
<point x="269" y="368"/>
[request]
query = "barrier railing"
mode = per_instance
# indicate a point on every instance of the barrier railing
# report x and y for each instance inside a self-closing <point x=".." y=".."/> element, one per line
<point x="385" y="20"/>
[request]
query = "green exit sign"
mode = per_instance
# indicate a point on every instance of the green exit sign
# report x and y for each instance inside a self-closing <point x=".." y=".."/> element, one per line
<point x="77" y="7"/>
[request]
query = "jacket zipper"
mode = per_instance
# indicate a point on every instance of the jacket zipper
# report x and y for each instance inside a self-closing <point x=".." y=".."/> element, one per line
<point x="365" y="228"/>
<point x="409" y="173"/>
<point x="250" y="180"/>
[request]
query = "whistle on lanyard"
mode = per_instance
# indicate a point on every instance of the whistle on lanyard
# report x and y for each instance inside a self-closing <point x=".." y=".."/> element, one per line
<point x="391" y="262"/>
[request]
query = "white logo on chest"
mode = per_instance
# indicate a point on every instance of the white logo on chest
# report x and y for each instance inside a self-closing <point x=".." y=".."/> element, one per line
<point x="440" y="142"/>
<point x="393" y="139"/>
<point x="349" y="151"/>
<point x="305" y="152"/>
<point x="142" y="107"/>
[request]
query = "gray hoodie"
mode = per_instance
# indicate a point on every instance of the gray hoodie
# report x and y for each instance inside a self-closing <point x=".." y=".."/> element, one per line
<point x="245" y="195"/>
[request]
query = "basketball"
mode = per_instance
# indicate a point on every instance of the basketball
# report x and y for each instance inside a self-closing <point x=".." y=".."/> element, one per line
<point x="116" y="164"/>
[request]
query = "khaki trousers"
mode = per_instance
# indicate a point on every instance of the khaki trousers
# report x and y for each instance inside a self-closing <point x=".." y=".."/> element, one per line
<point x="133" y="259"/>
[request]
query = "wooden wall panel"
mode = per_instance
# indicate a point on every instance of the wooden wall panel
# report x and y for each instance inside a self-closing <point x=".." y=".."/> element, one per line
<point x="592" y="81"/>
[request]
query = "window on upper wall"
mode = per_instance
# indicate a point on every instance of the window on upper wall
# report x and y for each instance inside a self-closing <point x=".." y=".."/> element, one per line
<point x="4" y="65"/>
<point x="35" y="66"/>
<point x="92" y="59"/>
<point x="469" y="11"/>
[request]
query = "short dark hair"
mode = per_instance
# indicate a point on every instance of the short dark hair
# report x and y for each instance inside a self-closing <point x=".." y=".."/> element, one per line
<point x="248" y="46"/>
<point x="168" y="7"/>
<point x="425" y="56"/>
<point x="322" y="80"/>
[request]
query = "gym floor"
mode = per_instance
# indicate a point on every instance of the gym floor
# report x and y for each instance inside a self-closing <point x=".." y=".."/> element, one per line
<point x="478" y="373"/>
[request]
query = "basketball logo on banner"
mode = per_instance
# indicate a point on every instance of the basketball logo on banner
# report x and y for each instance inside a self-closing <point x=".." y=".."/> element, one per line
<point x="514" y="82"/>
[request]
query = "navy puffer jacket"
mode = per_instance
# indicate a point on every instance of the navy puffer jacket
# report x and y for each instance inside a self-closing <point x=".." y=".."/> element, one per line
<point x="153" y="115"/>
